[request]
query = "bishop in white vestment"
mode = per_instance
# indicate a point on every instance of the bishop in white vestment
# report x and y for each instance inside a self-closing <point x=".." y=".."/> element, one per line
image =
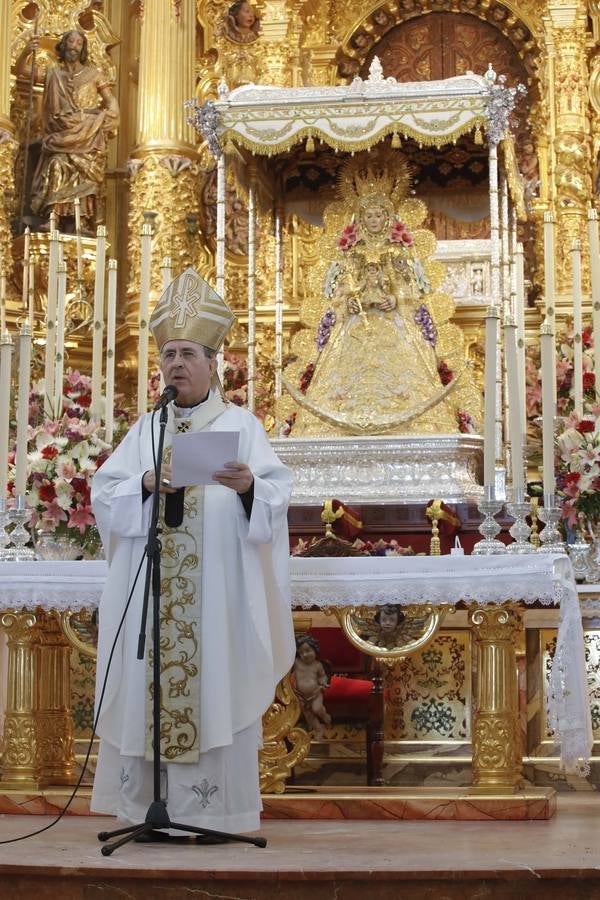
<point x="226" y="626"/>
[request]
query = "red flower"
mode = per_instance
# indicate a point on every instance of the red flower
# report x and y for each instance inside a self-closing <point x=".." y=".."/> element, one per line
<point x="49" y="452"/>
<point x="349" y="237"/>
<point x="589" y="381"/>
<point x="585" y="426"/>
<point x="47" y="492"/>
<point x="586" y="337"/>
<point x="84" y="400"/>
<point x="445" y="372"/>
<point x="572" y="477"/>
<point x="399" y="234"/>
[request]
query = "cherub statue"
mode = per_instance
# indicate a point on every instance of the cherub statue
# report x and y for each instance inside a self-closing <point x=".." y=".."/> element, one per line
<point x="390" y="627"/>
<point x="242" y="24"/>
<point x="311" y="682"/>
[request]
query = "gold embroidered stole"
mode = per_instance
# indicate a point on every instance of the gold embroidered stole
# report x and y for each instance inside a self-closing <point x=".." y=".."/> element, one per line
<point x="180" y="613"/>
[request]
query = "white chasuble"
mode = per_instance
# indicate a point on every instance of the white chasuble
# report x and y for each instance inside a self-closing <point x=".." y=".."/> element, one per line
<point x="240" y="617"/>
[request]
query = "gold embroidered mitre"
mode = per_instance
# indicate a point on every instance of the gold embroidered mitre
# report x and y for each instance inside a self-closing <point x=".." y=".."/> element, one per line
<point x="191" y="310"/>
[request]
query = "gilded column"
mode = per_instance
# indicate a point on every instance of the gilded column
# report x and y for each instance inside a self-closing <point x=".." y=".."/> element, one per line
<point x="19" y="761"/>
<point x="497" y="751"/>
<point x="163" y="169"/>
<point x="55" y="753"/>
<point x="572" y="141"/>
<point x="8" y="145"/>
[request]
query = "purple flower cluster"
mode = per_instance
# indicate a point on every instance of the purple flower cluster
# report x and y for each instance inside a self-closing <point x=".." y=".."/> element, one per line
<point x="425" y="323"/>
<point x="324" y="330"/>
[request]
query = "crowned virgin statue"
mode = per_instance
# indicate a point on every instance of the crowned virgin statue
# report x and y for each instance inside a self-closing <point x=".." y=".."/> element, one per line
<point x="385" y="359"/>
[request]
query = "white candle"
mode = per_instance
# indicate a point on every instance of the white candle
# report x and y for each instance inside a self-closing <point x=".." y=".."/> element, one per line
<point x="146" y="253"/>
<point x="31" y="293"/>
<point x="23" y="410"/>
<point x="492" y="321"/>
<point x="111" y="323"/>
<point x="98" y="331"/>
<point x="77" y="207"/>
<point x="6" y="350"/>
<point x="25" y="293"/>
<point x="549" y="280"/>
<point x="60" y="338"/>
<point x="514" y="402"/>
<point x="167" y="272"/>
<point x="594" y="243"/>
<point x="49" y="361"/>
<point x="548" y="406"/>
<point x="53" y="221"/>
<point x="2" y="301"/>
<point x="520" y="316"/>
<point x="278" y="301"/>
<point x="577" y="328"/>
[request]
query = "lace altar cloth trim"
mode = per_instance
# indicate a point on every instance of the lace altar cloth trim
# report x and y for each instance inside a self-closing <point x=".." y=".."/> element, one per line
<point x="59" y="584"/>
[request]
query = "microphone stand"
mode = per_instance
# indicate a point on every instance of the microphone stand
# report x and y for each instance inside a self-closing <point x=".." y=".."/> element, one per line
<point x="157" y="816"/>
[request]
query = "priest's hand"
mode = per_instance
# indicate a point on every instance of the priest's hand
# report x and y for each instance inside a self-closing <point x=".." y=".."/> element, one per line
<point x="165" y="480"/>
<point x="236" y="476"/>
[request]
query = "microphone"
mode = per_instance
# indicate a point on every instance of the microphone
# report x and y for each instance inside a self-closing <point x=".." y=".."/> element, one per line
<point x="169" y="393"/>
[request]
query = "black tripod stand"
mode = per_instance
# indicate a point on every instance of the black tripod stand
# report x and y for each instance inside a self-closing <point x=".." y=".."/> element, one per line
<point x="157" y="817"/>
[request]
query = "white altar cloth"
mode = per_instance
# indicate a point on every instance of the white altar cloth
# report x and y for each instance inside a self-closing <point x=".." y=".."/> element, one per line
<point x="353" y="581"/>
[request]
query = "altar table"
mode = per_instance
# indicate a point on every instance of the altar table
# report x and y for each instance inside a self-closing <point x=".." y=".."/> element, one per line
<point x="489" y="585"/>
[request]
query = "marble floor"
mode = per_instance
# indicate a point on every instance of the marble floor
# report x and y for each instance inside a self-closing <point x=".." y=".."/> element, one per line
<point x="320" y="860"/>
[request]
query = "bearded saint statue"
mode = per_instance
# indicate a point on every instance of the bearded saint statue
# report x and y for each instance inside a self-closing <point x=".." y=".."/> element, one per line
<point x="382" y="363"/>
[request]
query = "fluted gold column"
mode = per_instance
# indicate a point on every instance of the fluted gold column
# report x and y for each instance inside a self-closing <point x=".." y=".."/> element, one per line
<point x="497" y="750"/>
<point x="164" y="171"/>
<point x="8" y="145"/>
<point x="55" y="753"/>
<point x="19" y="760"/>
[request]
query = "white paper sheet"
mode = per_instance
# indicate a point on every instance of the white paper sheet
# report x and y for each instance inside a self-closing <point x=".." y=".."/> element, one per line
<point x="198" y="455"/>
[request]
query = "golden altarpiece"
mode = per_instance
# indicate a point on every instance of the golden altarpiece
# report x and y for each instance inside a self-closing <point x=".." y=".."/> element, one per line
<point x="264" y="219"/>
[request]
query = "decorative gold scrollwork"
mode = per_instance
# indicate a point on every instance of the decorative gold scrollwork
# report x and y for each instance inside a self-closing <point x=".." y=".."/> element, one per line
<point x="80" y="627"/>
<point x="414" y="627"/>
<point x="285" y="745"/>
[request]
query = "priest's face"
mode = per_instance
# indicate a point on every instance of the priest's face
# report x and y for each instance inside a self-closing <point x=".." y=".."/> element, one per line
<point x="185" y="364"/>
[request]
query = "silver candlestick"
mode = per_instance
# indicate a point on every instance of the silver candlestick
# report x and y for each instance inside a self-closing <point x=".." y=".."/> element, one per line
<point x="19" y="536"/>
<point x="550" y="537"/>
<point x="489" y="528"/>
<point x="519" y="508"/>
<point x="5" y="537"/>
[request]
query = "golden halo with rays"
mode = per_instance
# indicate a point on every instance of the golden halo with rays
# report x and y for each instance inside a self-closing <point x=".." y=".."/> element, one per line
<point x="382" y="175"/>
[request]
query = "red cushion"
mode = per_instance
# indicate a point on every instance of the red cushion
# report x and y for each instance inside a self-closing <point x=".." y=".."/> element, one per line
<point x="347" y="690"/>
<point x="338" y="651"/>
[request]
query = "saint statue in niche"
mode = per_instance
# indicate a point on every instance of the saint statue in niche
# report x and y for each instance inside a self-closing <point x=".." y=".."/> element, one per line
<point x="378" y="366"/>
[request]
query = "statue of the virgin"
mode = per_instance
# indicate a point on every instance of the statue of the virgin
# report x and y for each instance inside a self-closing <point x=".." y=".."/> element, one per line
<point x="385" y="359"/>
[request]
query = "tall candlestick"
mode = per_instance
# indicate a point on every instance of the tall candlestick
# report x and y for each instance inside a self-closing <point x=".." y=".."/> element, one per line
<point x="23" y="410"/>
<point x="31" y="292"/>
<point x="111" y="323"/>
<point x="98" y="332"/>
<point x="594" y="243"/>
<point x="60" y="338"/>
<point x="549" y="281"/>
<point x="77" y="208"/>
<point x="515" y="404"/>
<point x="6" y="350"/>
<point x="146" y="253"/>
<point x="25" y="294"/>
<point x="577" y="328"/>
<point x="49" y="361"/>
<point x="492" y="321"/>
<point x="520" y="316"/>
<point x="167" y="272"/>
<point x="548" y="406"/>
<point x="2" y="300"/>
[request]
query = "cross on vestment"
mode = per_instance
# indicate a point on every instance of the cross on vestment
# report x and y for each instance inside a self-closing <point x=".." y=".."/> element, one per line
<point x="184" y="302"/>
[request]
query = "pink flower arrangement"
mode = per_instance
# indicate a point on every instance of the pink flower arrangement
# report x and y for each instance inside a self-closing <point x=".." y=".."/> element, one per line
<point x="578" y="466"/>
<point x="349" y="237"/>
<point x="66" y="453"/>
<point x="399" y="234"/>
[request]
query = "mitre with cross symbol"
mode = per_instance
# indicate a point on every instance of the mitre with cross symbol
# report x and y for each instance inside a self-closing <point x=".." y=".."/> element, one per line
<point x="191" y="310"/>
